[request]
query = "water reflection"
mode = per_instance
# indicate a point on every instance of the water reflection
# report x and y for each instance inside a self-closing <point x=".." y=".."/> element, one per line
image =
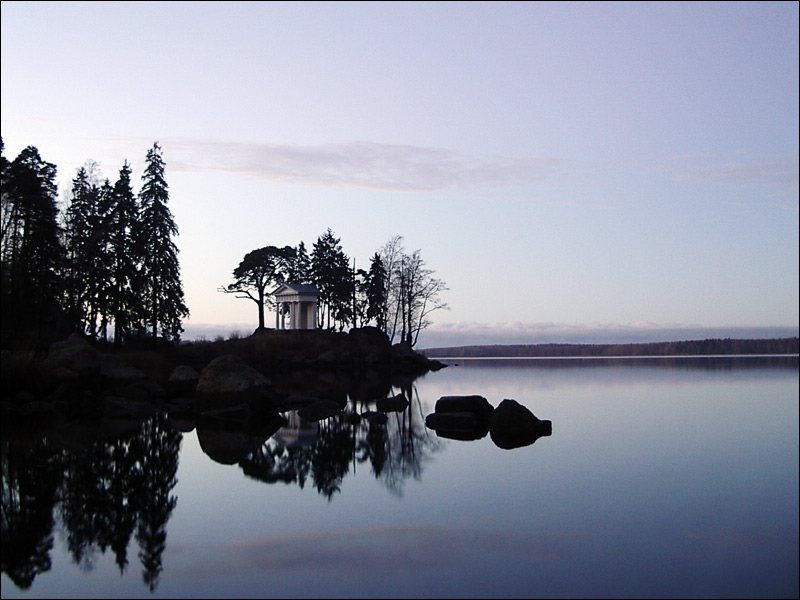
<point x="534" y="515"/>
<point x="102" y="491"/>
<point x="510" y="425"/>
<point x="395" y="443"/>
<point x="101" y="494"/>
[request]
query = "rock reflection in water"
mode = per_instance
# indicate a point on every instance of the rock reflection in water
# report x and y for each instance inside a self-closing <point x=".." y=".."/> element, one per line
<point x="103" y="490"/>
<point x="322" y="448"/>
<point x="466" y="418"/>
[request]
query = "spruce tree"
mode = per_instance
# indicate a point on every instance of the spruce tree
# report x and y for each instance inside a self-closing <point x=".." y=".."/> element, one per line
<point x="76" y="236"/>
<point x="333" y="277"/>
<point x="126" y="304"/>
<point x="164" y="303"/>
<point x="88" y="273"/>
<point x="298" y="269"/>
<point x="102" y="270"/>
<point x="377" y="284"/>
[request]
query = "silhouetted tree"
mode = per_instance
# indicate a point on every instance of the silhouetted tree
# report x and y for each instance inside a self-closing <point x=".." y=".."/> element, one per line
<point x="88" y="261"/>
<point x="412" y="293"/>
<point x="377" y="282"/>
<point x="163" y="290"/>
<point x="419" y="296"/>
<point x="360" y="301"/>
<point x="391" y="255"/>
<point x="6" y="212"/>
<point x="125" y="249"/>
<point x="32" y="255"/>
<point x="260" y="271"/>
<point x="76" y="235"/>
<point x="298" y="269"/>
<point x="334" y="279"/>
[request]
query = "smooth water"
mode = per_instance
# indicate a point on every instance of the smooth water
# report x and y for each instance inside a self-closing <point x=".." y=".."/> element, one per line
<point x="670" y="478"/>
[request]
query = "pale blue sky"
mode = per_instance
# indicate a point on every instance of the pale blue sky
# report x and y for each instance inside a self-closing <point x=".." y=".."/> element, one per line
<point x="563" y="167"/>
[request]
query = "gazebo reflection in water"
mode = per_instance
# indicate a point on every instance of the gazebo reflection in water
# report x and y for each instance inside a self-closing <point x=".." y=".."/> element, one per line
<point x="297" y="432"/>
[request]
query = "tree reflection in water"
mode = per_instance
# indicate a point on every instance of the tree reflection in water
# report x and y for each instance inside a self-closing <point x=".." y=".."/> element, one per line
<point x="395" y="444"/>
<point x="29" y="493"/>
<point x="100" y="493"/>
<point x="103" y="492"/>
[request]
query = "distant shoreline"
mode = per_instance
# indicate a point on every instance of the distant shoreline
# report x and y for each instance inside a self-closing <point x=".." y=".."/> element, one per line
<point x="699" y="348"/>
<point x="632" y="357"/>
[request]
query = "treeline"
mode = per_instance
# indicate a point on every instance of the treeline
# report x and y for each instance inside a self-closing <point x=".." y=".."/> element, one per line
<point x="104" y="264"/>
<point x="705" y="347"/>
<point x="397" y="293"/>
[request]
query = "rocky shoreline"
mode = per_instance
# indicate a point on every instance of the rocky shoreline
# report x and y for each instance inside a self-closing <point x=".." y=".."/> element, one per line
<point x="237" y="393"/>
<point x="266" y="372"/>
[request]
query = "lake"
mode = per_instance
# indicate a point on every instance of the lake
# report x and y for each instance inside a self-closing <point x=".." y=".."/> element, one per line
<point x="668" y="478"/>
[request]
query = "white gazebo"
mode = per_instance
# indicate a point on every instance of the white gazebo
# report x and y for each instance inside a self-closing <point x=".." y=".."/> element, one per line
<point x="302" y="303"/>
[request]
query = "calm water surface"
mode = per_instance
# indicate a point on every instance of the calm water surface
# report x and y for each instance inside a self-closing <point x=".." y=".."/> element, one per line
<point x="662" y="478"/>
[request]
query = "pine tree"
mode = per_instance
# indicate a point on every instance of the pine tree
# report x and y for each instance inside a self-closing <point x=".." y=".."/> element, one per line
<point x="259" y="270"/>
<point x="164" y="301"/>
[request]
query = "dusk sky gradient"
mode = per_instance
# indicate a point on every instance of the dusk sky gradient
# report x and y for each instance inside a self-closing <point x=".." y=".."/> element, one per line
<point x="573" y="171"/>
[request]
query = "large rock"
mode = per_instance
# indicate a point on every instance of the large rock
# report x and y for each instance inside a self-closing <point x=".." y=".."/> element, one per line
<point x="230" y="375"/>
<point x="475" y="404"/>
<point x="461" y="417"/>
<point x="513" y="426"/>
<point x="462" y="426"/>
<point x="74" y="354"/>
<point x="372" y="345"/>
<point x="118" y="372"/>
<point x="183" y="381"/>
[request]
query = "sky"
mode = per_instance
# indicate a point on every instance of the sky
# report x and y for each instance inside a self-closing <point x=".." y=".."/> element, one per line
<point x="574" y="172"/>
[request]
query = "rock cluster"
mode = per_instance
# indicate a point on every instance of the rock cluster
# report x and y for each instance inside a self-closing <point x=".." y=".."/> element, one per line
<point x="510" y="425"/>
<point x="76" y="380"/>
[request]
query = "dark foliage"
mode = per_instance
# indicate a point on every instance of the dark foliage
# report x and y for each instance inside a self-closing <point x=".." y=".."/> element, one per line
<point x="106" y="264"/>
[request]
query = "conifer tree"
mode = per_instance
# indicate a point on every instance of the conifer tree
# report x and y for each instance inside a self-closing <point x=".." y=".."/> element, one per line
<point x="164" y="301"/>
<point x="32" y="255"/>
<point x="298" y="269"/>
<point x="102" y="271"/>
<point x="334" y="278"/>
<point x="84" y="273"/>
<point x="126" y="304"/>
<point x="377" y="282"/>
